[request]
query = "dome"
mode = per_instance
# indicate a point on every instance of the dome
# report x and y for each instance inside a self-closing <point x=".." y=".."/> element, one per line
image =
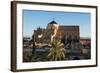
<point x="52" y="25"/>
<point x="53" y="22"/>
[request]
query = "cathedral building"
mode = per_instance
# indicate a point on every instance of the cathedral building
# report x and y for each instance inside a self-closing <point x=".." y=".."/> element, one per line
<point x="68" y="35"/>
<point x="57" y="31"/>
<point x="64" y="31"/>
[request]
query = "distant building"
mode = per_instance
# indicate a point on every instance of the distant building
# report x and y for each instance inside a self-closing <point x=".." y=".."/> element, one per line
<point x="86" y="47"/>
<point x="85" y="41"/>
<point x="26" y="41"/>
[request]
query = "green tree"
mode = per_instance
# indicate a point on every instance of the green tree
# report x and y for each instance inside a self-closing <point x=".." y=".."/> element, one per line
<point x="57" y="51"/>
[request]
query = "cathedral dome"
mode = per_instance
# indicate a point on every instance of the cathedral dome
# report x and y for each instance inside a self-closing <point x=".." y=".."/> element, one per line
<point x="52" y="25"/>
<point x="53" y="22"/>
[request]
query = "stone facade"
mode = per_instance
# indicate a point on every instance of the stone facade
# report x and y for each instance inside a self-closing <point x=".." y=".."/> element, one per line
<point x="43" y="36"/>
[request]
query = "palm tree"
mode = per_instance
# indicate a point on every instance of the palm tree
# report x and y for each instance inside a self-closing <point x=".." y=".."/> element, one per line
<point x="57" y="51"/>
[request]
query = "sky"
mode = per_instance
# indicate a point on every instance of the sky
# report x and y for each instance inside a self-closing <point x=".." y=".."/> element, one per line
<point x="33" y="19"/>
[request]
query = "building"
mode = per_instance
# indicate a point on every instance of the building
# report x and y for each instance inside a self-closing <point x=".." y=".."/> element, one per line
<point x="42" y="37"/>
<point x="86" y="47"/>
<point x="85" y="41"/>
<point x="57" y="31"/>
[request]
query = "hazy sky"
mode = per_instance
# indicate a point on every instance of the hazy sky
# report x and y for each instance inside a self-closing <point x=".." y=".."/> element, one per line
<point x="34" y="19"/>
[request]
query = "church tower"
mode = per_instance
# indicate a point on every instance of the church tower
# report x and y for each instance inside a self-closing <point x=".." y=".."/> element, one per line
<point x="53" y="25"/>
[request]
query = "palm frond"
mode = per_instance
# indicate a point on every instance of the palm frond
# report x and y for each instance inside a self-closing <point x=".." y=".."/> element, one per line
<point x="57" y="51"/>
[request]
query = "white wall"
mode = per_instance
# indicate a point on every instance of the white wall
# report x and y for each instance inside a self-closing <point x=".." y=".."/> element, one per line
<point x="5" y="37"/>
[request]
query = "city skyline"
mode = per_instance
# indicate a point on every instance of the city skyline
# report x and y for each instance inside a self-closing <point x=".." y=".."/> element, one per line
<point x="34" y="19"/>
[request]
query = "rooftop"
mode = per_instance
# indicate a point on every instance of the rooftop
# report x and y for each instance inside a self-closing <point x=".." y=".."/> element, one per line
<point x="69" y="27"/>
<point x="53" y="22"/>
